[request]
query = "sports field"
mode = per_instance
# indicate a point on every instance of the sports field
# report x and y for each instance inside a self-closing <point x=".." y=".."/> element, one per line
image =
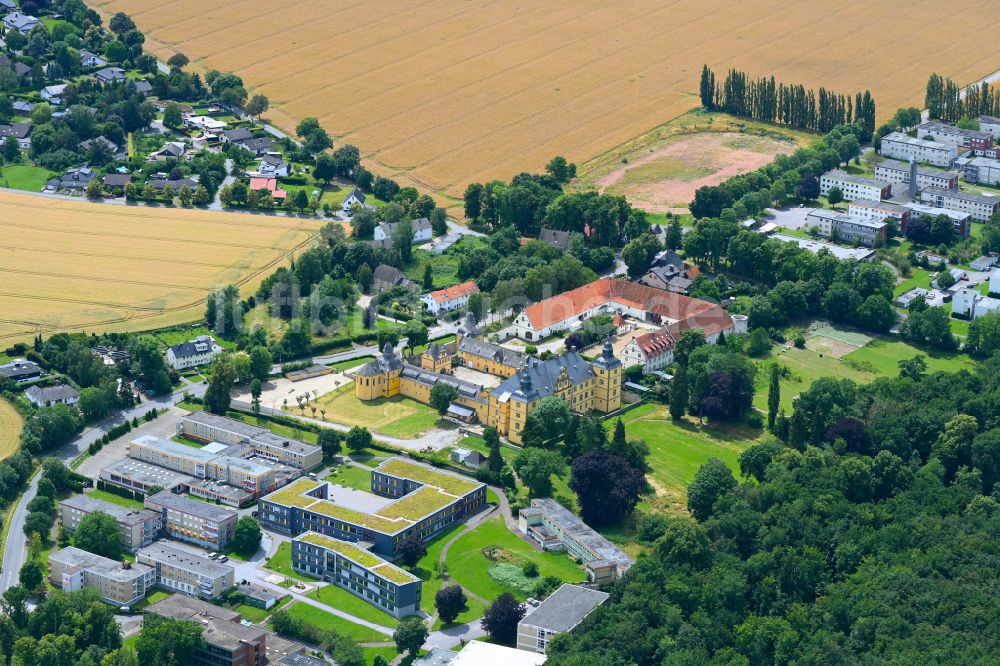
<point x="78" y="266"/>
<point x="10" y="429"/>
<point x="439" y="93"/>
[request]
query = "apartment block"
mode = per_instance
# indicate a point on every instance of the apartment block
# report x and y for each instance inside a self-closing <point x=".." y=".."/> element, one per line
<point x="137" y="528"/>
<point x="990" y="125"/>
<point x="256" y="478"/>
<point x="427" y="500"/>
<point x="548" y="524"/>
<point x="899" y="146"/>
<point x="961" y="221"/>
<point x="894" y="171"/>
<point x="227" y="641"/>
<point x="944" y="133"/>
<point x="854" y="187"/>
<point x="980" y="170"/>
<point x="120" y="583"/>
<point x="847" y="228"/>
<point x="560" y="613"/>
<point x="358" y="571"/>
<point x="878" y="211"/>
<point x="181" y="571"/>
<point x="207" y="427"/>
<point x="980" y="207"/>
<point x="195" y="521"/>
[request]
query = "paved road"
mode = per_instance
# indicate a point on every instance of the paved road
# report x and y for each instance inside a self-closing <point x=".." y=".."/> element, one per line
<point x="15" y="552"/>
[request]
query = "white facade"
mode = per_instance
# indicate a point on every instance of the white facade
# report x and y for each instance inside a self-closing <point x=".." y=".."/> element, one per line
<point x="854" y="187"/>
<point x="990" y="125"/>
<point x="197" y="352"/>
<point x="354" y="197"/>
<point x="981" y="170"/>
<point x="970" y="304"/>
<point x="877" y="211"/>
<point x="980" y="207"/>
<point x="902" y="147"/>
<point x="452" y="298"/>
<point x="893" y="171"/>
<point x="995" y="283"/>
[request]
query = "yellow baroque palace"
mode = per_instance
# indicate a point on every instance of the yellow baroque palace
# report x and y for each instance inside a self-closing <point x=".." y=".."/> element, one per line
<point x="586" y="386"/>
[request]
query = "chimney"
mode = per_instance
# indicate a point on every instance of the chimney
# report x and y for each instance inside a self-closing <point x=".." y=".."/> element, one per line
<point x="913" y="178"/>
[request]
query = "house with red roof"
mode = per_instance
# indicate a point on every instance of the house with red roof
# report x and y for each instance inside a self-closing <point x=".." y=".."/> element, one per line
<point x="452" y="298"/>
<point x="269" y="184"/>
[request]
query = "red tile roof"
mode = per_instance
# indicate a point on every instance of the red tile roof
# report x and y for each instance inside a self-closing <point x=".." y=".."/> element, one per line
<point x="269" y="184"/>
<point x="656" y="343"/>
<point x="687" y="312"/>
<point x="451" y="293"/>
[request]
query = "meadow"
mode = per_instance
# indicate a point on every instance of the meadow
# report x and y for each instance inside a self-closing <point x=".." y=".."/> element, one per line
<point x="397" y="416"/>
<point x="439" y="94"/>
<point x="77" y="266"/>
<point x="10" y="429"/>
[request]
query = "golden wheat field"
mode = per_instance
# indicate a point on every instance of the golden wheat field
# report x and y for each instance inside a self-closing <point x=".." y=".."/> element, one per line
<point x="440" y="93"/>
<point x="74" y="265"/>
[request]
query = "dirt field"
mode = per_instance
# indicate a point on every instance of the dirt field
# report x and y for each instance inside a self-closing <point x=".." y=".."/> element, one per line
<point x="10" y="429"/>
<point x="440" y="93"/>
<point x="69" y="265"/>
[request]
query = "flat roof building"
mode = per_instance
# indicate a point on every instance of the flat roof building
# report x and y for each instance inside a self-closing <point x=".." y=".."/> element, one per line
<point x="855" y="254"/>
<point x="358" y="571"/>
<point x="895" y="171"/>
<point x="427" y="500"/>
<point x="142" y="477"/>
<point x="178" y="570"/>
<point x="961" y="220"/>
<point x="861" y="230"/>
<point x="854" y="187"/>
<point x="550" y="525"/>
<point x="227" y="642"/>
<point x="945" y="133"/>
<point x="120" y="583"/>
<point x="137" y="527"/>
<point x="980" y="170"/>
<point x="209" y="427"/>
<point x="981" y="207"/>
<point x="254" y="477"/>
<point x="191" y="520"/>
<point x="560" y="613"/>
<point x="902" y="147"/>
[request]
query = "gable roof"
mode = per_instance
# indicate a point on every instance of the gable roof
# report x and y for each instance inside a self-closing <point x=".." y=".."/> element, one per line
<point x="655" y="343"/>
<point x="238" y="134"/>
<point x="117" y="179"/>
<point x="16" y="130"/>
<point x="420" y="224"/>
<point x="537" y="379"/>
<point x="142" y="85"/>
<point x="51" y="393"/>
<point x="357" y="194"/>
<point x="193" y="347"/>
<point x="263" y="143"/>
<point x="387" y="273"/>
<point x="452" y="293"/>
<point x="555" y="238"/>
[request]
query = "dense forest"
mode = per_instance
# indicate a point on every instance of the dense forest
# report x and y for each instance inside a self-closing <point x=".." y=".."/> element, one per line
<point x="945" y="100"/>
<point x="864" y="532"/>
<point x="786" y="104"/>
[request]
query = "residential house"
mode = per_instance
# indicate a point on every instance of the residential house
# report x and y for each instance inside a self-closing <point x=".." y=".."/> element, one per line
<point x="20" y="131"/>
<point x="355" y="197"/>
<point x="8" y="5"/>
<point x="983" y="264"/>
<point x="902" y="147"/>
<point x="667" y="277"/>
<point x="76" y="178"/>
<point x="160" y="182"/>
<point x="193" y="353"/>
<point x="88" y="60"/>
<point x="119" y="583"/>
<point x="420" y="227"/>
<point x="452" y="298"/>
<point x="854" y="187"/>
<point x="272" y="166"/>
<point x="54" y="94"/>
<point x="269" y="184"/>
<point x="116" y="182"/>
<point x="259" y="146"/>
<point x="136" y="527"/>
<point x="981" y="207"/>
<point x="206" y="124"/>
<point x="387" y="277"/>
<point x="171" y="150"/>
<point x="117" y="153"/>
<point x="110" y="75"/>
<point x="142" y="86"/>
<point x="182" y="571"/>
<point x="557" y="239"/>
<point x="968" y="303"/>
<point x="60" y="394"/>
<point x="560" y="613"/>
<point x="22" y="23"/>
<point x="236" y="136"/>
<point x="21" y="371"/>
<point x="22" y="107"/>
<point x="192" y="520"/>
<point x="652" y="351"/>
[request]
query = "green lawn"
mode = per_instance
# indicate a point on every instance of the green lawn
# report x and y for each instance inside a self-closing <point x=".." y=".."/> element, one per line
<point x="426" y="570"/>
<point x="281" y="562"/>
<point x="804" y="366"/>
<point x="115" y="499"/>
<point x="678" y="449"/>
<point x="353" y="363"/>
<point x="24" y="177"/>
<point x="341" y="599"/>
<point x="352" y="477"/>
<point x="919" y="277"/>
<point x="326" y="621"/>
<point x="397" y="416"/>
<point x="175" y="336"/>
<point x="883" y="357"/>
<point x="253" y="613"/>
<point x="387" y="653"/>
<point x="469" y="567"/>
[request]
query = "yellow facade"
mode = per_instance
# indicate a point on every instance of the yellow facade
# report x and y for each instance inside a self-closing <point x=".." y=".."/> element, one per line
<point x="487" y="365"/>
